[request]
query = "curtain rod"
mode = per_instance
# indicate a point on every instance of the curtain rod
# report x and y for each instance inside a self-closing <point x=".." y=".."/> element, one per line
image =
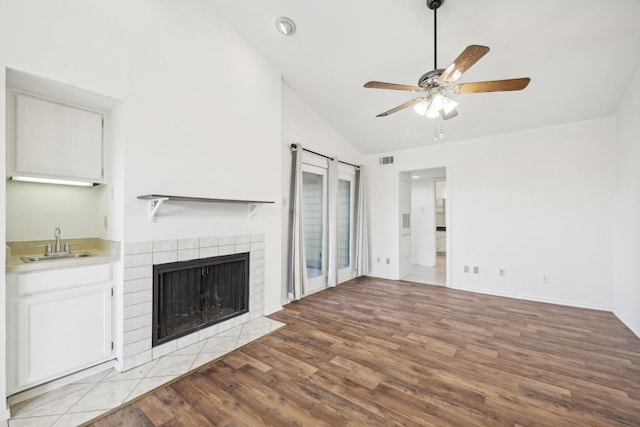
<point x="295" y="147"/>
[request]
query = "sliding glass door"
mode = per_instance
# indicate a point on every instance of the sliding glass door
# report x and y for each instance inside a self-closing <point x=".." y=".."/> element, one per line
<point x="314" y="189"/>
<point x="346" y="211"/>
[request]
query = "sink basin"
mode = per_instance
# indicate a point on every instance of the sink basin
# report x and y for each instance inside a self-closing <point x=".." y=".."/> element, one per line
<point x="40" y="258"/>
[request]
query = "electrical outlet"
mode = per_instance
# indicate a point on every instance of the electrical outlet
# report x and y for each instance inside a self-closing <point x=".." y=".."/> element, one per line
<point x="388" y="261"/>
<point x="466" y="268"/>
<point x="106" y="222"/>
<point x="545" y="279"/>
<point x="502" y="272"/>
<point x="378" y="260"/>
<point x="476" y="269"/>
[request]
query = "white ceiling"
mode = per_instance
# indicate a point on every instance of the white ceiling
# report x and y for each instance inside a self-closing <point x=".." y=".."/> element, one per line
<point x="580" y="55"/>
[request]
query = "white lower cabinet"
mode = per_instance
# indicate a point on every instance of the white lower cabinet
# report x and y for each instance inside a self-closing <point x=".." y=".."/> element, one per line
<point x="59" y="323"/>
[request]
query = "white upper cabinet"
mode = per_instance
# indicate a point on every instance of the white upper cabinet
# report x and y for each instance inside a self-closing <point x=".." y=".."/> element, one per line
<point x="54" y="140"/>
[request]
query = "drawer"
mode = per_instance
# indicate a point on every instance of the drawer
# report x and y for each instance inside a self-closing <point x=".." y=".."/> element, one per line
<point x="63" y="278"/>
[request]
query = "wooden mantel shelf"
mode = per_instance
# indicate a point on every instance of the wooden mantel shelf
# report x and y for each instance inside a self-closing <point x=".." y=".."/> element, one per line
<point x="156" y="200"/>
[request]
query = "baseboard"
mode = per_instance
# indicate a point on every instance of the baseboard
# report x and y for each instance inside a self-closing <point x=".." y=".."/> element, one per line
<point x="533" y="298"/>
<point x="271" y="310"/>
<point x="5" y="415"/>
<point x="633" y="328"/>
<point x="381" y="276"/>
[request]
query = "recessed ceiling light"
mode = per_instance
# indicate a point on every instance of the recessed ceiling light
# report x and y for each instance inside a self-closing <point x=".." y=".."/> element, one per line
<point x="286" y="26"/>
<point x="415" y="176"/>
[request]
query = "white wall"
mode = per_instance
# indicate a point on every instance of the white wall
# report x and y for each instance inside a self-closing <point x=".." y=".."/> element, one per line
<point x="302" y="125"/>
<point x="35" y="210"/>
<point x="627" y="210"/>
<point x="423" y="222"/>
<point x="203" y="119"/>
<point x="535" y="202"/>
<point x="200" y="113"/>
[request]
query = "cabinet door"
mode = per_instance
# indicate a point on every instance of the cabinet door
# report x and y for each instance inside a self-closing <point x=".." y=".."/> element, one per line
<point x="56" y="140"/>
<point x="441" y="242"/>
<point x="62" y="332"/>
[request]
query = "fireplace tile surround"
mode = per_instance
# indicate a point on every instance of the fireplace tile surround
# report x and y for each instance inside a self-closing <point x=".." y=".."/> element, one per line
<point x="139" y="258"/>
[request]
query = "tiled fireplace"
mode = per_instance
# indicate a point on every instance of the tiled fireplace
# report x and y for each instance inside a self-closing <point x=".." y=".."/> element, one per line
<point x="139" y="259"/>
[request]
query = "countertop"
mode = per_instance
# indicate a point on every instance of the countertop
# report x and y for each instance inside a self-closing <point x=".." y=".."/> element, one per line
<point x="105" y="251"/>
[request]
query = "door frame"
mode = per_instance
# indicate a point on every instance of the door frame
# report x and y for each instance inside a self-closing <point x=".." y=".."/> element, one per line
<point x="449" y="177"/>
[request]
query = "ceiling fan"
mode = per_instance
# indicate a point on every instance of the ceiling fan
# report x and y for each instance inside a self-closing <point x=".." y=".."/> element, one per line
<point x="437" y="83"/>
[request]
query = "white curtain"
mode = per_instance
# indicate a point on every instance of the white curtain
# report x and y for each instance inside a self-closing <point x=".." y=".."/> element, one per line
<point x="332" y="219"/>
<point x="297" y="263"/>
<point x="362" y="254"/>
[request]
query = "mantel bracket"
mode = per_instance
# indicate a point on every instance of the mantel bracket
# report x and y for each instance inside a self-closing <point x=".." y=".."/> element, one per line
<point x="154" y="205"/>
<point x="251" y="209"/>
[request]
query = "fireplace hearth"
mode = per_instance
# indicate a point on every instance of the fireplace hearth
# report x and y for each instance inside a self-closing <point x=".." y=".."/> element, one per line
<point x="191" y="295"/>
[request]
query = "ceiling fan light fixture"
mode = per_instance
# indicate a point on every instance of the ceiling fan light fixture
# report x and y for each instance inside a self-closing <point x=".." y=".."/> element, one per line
<point x="438" y="101"/>
<point x="432" y="114"/>
<point x="421" y="107"/>
<point x="286" y="26"/>
<point x="449" y="106"/>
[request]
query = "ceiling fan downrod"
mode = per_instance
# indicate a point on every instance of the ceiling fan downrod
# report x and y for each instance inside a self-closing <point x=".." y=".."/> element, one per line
<point x="434" y="5"/>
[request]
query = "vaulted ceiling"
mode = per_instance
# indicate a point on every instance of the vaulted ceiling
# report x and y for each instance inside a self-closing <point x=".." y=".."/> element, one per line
<point x="580" y="54"/>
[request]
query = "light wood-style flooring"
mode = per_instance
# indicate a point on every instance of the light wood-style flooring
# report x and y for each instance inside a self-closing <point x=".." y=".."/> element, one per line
<point x="378" y="352"/>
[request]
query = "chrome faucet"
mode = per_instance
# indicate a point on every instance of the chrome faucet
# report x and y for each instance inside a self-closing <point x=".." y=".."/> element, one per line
<point x="57" y="236"/>
<point x="56" y="249"/>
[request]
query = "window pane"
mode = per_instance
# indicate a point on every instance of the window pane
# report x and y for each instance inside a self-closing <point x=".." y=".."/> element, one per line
<point x="312" y="189"/>
<point x="344" y="223"/>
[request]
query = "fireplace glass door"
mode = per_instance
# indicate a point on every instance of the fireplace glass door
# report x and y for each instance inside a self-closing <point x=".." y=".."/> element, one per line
<point x="191" y="295"/>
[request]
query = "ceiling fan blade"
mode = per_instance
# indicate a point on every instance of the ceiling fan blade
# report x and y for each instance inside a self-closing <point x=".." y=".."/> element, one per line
<point x="392" y="86"/>
<point x="462" y="63"/>
<point x="450" y="115"/>
<point x="401" y="107"/>
<point x="492" y="86"/>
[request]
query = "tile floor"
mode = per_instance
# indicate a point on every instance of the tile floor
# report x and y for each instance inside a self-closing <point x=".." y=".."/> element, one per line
<point x="78" y="402"/>
<point x="430" y="275"/>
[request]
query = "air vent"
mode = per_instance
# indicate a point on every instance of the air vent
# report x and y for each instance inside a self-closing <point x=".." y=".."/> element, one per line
<point x="386" y="160"/>
<point x="406" y="221"/>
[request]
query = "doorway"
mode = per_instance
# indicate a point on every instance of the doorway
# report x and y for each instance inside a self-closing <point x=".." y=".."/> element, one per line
<point x="429" y="227"/>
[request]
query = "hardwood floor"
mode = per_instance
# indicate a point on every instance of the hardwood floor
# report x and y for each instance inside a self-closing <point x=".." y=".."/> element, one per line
<point x="380" y="352"/>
